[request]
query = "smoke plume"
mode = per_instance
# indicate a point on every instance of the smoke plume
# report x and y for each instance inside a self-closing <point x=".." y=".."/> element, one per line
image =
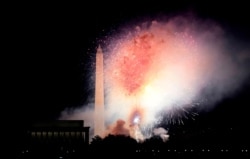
<point x="163" y="133"/>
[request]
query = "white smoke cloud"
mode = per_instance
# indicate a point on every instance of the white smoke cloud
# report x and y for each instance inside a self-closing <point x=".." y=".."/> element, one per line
<point x="163" y="133"/>
<point x="85" y="113"/>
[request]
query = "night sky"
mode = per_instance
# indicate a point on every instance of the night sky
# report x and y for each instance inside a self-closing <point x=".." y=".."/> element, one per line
<point x="52" y="45"/>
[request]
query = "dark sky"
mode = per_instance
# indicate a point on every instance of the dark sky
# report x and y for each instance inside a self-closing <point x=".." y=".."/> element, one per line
<point x="48" y="61"/>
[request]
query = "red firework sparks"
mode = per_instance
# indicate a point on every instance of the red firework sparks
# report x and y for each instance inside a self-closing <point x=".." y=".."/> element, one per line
<point x="162" y="67"/>
<point x="135" y="63"/>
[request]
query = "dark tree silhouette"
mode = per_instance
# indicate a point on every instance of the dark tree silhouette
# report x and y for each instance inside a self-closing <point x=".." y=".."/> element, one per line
<point x="96" y="140"/>
<point x="113" y="146"/>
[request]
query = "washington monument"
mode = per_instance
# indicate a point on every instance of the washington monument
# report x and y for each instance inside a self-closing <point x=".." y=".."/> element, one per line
<point x="99" y="95"/>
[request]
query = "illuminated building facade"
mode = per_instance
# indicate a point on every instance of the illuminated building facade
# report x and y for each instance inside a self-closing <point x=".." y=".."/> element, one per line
<point x="56" y="139"/>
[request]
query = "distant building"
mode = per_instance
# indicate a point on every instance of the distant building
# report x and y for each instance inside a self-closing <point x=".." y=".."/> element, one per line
<point x="68" y="130"/>
<point x="57" y="138"/>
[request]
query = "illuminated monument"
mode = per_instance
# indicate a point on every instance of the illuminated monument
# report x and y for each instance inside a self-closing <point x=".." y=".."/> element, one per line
<point x="99" y="94"/>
